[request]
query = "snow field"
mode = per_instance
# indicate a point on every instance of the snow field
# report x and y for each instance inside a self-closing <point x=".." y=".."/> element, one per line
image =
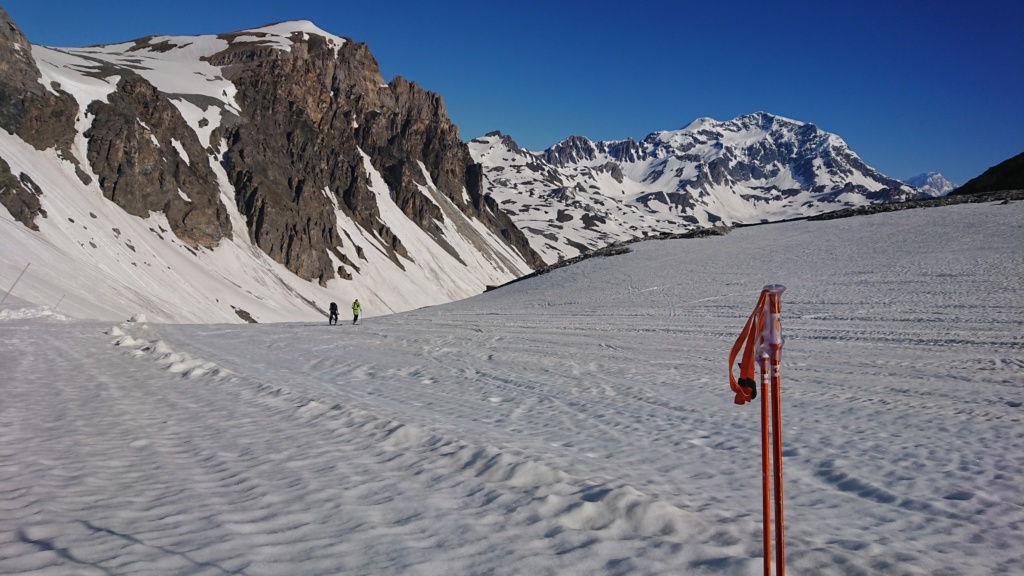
<point x="579" y="422"/>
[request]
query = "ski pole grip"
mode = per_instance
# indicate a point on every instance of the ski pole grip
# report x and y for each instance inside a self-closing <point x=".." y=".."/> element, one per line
<point x="771" y="332"/>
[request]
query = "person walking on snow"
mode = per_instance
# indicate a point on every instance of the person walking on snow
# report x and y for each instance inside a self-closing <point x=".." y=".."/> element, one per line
<point x="356" y="309"/>
<point x="333" y="319"/>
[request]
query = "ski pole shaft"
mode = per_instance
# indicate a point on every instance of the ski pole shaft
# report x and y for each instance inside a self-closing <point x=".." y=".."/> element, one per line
<point x="765" y="475"/>
<point x="773" y="344"/>
<point x="780" y="539"/>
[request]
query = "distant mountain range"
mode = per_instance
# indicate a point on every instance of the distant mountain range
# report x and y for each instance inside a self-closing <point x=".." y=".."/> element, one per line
<point x="267" y="172"/>
<point x="931" y="184"/>
<point x="580" y="195"/>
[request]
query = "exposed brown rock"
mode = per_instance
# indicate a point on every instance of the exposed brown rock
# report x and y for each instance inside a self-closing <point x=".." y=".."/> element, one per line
<point x="40" y="117"/>
<point x="315" y="113"/>
<point x="293" y="147"/>
<point x="131" y="151"/>
<point x="20" y="195"/>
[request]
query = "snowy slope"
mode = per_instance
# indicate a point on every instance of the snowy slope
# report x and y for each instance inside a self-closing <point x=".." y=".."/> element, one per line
<point x="580" y="195"/>
<point x="100" y="262"/>
<point x="578" y="422"/>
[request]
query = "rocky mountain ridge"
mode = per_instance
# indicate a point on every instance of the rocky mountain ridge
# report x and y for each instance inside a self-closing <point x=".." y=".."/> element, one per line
<point x="284" y="139"/>
<point x="1007" y="175"/>
<point x="580" y="195"/>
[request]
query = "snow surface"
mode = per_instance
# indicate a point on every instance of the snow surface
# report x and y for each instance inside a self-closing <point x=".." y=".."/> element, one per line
<point x="579" y="422"/>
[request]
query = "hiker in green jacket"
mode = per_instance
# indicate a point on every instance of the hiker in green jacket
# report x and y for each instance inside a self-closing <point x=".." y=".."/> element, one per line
<point x="356" y="309"/>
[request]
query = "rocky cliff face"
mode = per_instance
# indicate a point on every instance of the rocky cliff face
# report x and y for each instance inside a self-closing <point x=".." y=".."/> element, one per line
<point x="310" y="117"/>
<point x="43" y="118"/>
<point x="149" y="160"/>
<point x="20" y="195"/>
<point x="302" y="123"/>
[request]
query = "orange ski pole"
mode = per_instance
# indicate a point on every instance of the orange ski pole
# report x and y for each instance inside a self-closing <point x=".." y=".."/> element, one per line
<point x="759" y="345"/>
<point x="771" y="350"/>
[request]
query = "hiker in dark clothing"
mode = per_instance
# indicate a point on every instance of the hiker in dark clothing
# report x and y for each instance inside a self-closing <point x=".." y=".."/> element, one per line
<point x="333" y="319"/>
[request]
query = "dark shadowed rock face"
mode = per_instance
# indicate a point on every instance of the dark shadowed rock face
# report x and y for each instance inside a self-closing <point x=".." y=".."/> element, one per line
<point x="20" y="195"/>
<point x="21" y="89"/>
<point x="311" y="118"/>
<point x="43" y="118"/>
<point x="1007" y="175"/>
<point x="132" y="151"/>
<point x="294" y="151"/>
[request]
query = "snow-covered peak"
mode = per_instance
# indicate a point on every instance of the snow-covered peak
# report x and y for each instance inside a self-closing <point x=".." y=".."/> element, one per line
<point x="496" y="149"/>
<point x="196" y="47"/>
<point x="291" y="26"/>
<point x="932" y="184"/>
<point x="699" y="124"/>
<point x="762" y="121"/>
<point x="740" y="131"/>
<point x="174" y="64"/>
<point x="763" y="117"/>
<point x="281" y="33"/>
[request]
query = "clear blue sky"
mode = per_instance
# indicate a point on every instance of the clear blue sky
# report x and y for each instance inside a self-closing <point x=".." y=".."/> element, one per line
<point x="912" y="86"/>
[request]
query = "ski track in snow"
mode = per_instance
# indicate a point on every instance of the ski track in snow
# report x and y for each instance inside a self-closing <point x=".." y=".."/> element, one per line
<point x="577" y="423"/>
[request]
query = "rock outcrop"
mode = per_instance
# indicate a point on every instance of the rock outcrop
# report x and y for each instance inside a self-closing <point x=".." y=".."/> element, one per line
<point x="136" y="144"/>
<point x="311" y="118"/>
<point x="43" y="118"/>
<point x="1007" y="175"/>
<point x="20" y="195"/>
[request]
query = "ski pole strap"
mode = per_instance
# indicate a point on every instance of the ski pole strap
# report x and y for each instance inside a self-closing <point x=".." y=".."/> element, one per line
<point x="746" y="387"/>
